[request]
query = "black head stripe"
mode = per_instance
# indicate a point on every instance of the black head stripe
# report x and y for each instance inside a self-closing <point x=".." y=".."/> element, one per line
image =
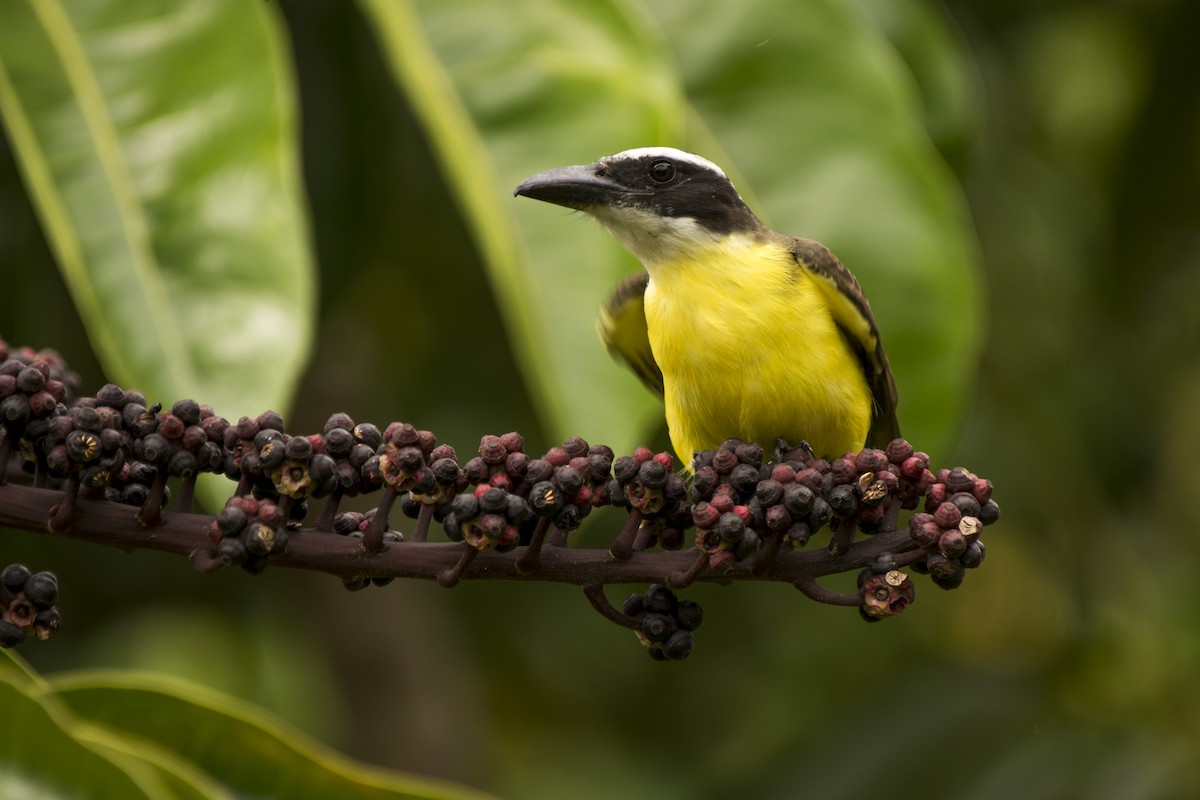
<point x="696" y="190"/>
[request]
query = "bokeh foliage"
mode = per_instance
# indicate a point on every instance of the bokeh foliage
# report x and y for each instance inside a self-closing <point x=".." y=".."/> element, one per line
<point x="1063" y="668"/>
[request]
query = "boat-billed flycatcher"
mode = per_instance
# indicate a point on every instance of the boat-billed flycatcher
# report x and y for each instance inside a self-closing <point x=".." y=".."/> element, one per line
<point x="746" y="332"/>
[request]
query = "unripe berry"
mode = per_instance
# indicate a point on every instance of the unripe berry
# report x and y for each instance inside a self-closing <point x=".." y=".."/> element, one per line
<point x="952" y="543"/>
<point x="571" y="480"/>
<point x="973" y="555"/>
<point x="966" y="504"/>
<point x="546" y="498"/>
<point x="625" y="469"/>
<point x="14" y="576"/>
<point x="653" y="474"/>
<point x="231" y="520"/>
<point x="778" y="519"/>
<point x="730" y="528"/>
<point x="657" y="627"/>
<point x="660" y="599"/>
<point x="633" y="605"/>
<point x="368" y="434"/>
<point x="493" y="501"/>
<point x="820" y="515"/>
<point x="41" y="589"/>
<point x="744" y="479"/>
<point x="679" y="645"/>
<point x="11" y="634"/>
<point x="705" y="482"/>
<point x="769" y="492"/>
<point x="798" y="500"/>
<point x="749" y="453"/>
<point x="843" y="501"/>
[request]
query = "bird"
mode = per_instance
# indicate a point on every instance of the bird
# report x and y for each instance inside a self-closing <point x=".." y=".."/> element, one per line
<point x="747" y="333"/>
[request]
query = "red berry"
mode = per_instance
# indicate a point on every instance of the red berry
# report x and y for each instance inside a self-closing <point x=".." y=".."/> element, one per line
<point x="783" y="473"/>
<point x="899" y="450"/>
<point x="513" y="442"/>
<point x="843" y="470"/>
<point x="952" y="543"/>
<point x="912" y="467"/>
<point x="947" y="515"/>
<point x="705" y="515"/>
<point x="870" y="460"/>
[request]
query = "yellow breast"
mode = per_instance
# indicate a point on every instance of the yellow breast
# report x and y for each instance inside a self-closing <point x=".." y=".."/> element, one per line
<point x="748" y="349"/>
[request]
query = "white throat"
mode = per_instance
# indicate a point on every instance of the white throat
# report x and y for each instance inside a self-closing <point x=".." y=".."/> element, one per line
<point x="653" y="239"/>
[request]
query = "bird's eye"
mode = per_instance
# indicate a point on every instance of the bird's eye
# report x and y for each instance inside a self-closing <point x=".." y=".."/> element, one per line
<point x="662" y="171"/>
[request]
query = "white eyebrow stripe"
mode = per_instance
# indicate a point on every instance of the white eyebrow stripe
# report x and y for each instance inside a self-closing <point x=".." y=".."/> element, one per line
<point x="667" y="152"/>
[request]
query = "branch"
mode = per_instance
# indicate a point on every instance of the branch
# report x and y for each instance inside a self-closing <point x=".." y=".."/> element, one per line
<point x="113" y="524"/>
<point x="102" y="466"/>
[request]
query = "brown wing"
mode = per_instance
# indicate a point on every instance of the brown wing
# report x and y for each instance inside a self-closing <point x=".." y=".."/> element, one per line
<point x="623" y="330"/>
<point x="853" y="316"/>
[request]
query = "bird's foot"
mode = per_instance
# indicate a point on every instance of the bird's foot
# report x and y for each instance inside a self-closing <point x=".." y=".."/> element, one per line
<point x="785" y="451"/>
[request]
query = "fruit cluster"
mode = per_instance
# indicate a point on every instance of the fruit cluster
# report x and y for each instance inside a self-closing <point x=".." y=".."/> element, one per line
<point x="664" y="623"/>
<point x="350" y="446"/>
<point x="27" y="601"/>
<point x="958" y="504"/>
<point x="746" y="506"/>
<point x="650" y="486"/>
<point x="247" y="531"/>
<point x="743" y="504"/>
<point x="885" y="591"/>
<point x="492" y="513"/>
<point x="569" y="481"/>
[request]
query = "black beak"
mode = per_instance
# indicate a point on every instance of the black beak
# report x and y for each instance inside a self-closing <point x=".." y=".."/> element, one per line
<point x="573" y="187"/>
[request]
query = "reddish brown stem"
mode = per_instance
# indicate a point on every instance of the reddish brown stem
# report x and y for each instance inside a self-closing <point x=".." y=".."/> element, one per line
<point x="424" y="517"/>
<point x="622" y="546"/>
<point x="685" y="578"/>
<point x="187" y="493"/>
<point x="843" y="537"/>
<point x="528" y="563"/>
<point x="111" y="524"/>
<point x="599" y="600"/>
<point x="329" y="510"/>
<point x="766" y="557"/>
<point x="450" y="577"/>
<point x="150" y="513"/>
<point x="811" y="588"/>
<point x="62" y="516"/>
<point x="372" y="540"/>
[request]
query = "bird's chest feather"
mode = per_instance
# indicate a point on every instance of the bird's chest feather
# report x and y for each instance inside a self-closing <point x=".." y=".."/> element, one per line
<point x="719" y="318"/>
<point x="747" y="347"/>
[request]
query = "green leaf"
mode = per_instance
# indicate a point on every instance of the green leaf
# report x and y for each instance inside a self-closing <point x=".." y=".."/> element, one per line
<point x="505" y="92"/>
<point x="157" y="142"/>
<point x="244" y="751"/>
<point x="40" y="742"/>
<point x="822" y="123"/>
<point x="807" y="105"/>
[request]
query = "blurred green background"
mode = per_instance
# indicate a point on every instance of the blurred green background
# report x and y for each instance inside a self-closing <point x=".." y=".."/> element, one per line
<point x="1015" y="183"/>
